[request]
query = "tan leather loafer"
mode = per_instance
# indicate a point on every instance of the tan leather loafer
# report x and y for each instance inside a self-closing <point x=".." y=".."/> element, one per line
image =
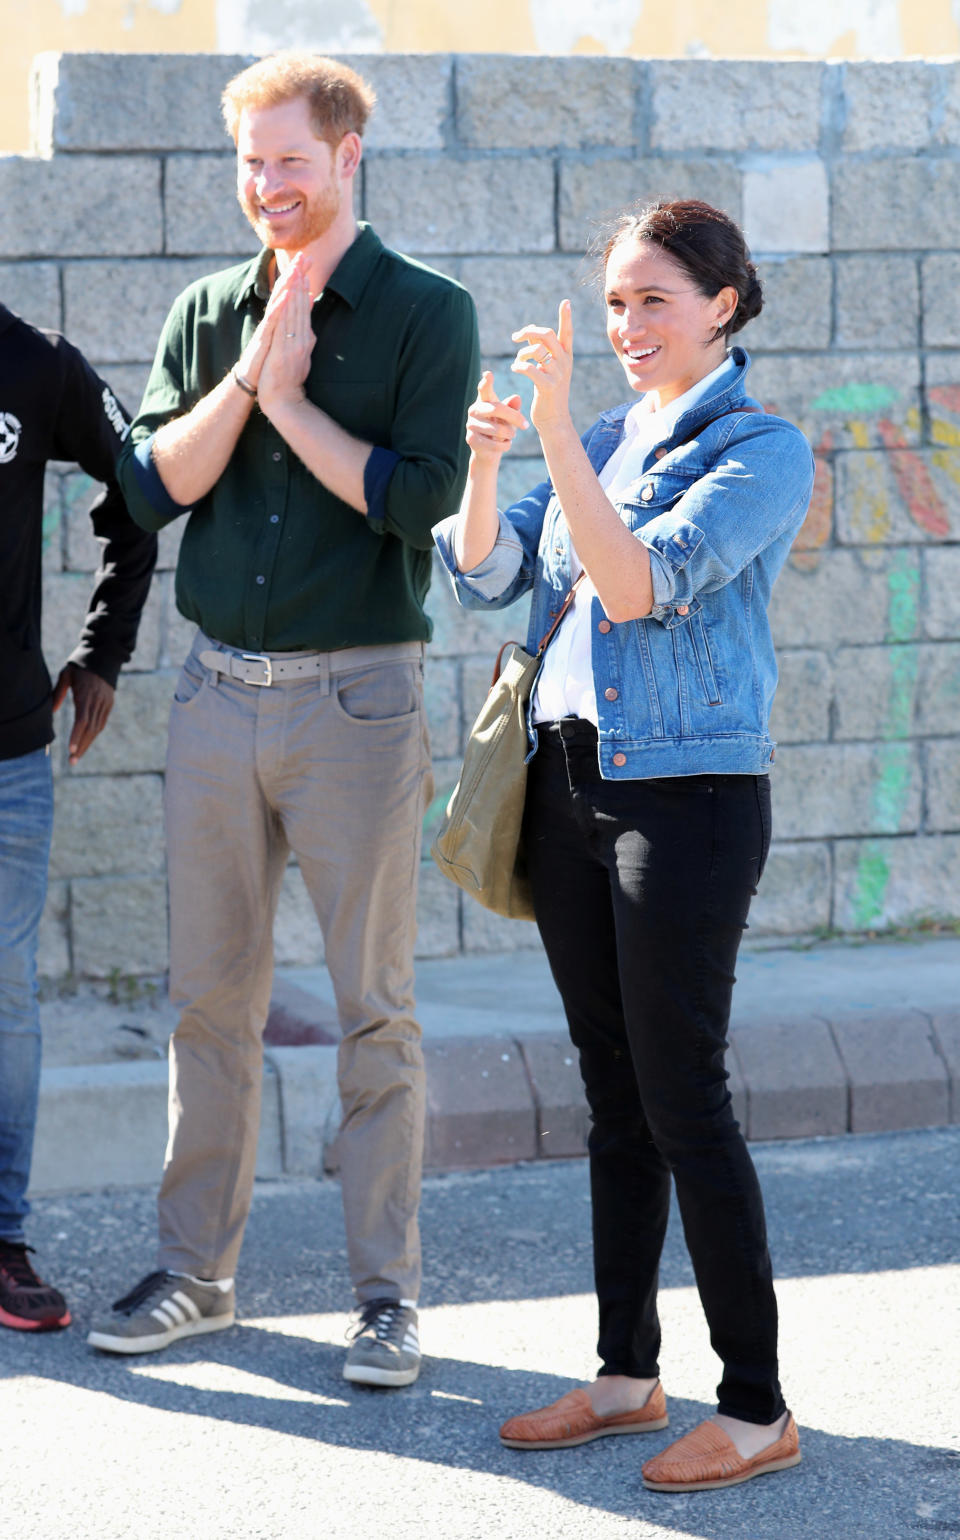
<point x="572" y="1420"/>
<point x="707" y="1458"/>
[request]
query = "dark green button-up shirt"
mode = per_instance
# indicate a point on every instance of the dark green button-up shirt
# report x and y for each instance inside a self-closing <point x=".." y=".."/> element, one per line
<point x="270" y="559"/>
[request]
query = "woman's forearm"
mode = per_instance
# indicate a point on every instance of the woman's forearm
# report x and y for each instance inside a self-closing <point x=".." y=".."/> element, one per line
<point x="617" y="564"/>
<point x="478" y="522"/>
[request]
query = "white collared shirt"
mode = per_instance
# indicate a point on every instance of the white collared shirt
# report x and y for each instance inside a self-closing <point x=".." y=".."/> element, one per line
<point x="565" y="683"/>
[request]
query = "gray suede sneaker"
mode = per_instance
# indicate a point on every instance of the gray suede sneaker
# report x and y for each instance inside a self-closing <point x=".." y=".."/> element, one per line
<point x="162" y="1308"/>
<point x="385" y="1346"/>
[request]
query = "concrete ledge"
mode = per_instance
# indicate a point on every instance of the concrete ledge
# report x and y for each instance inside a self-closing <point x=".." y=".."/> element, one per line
<point x="309" y="1105"/>
<point x="563" y="1120"/>
<point x="897" y="1077"/>
<point x="796" y="1082"/>
<point x="946" y="1032"/>
<point x="480" y="1108"/>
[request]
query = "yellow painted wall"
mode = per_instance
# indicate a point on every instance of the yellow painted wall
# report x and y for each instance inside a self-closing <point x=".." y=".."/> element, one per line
<point x="836" y="29"/>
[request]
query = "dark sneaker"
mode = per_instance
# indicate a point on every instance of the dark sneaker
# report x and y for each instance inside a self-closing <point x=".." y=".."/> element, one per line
<point x="162" y="1308"/>
<point x="385" y="1347"/>
<point x="26" y="1302"/>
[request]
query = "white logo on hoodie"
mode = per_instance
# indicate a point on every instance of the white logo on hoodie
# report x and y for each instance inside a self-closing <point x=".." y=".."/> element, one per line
<point x="10" y="430"/>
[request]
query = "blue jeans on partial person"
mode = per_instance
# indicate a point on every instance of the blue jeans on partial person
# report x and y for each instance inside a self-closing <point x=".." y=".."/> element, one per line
<point x="26" y="824"/>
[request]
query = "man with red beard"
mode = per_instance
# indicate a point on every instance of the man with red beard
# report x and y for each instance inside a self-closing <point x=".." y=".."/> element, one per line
<point x="305" y="413"/>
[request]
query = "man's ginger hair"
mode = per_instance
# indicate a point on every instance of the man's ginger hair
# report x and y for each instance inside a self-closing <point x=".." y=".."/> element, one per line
<point x="339" y="99"/>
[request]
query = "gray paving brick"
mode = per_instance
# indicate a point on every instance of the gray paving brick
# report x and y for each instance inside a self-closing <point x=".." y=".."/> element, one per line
<point x="135" y="738"/>
<point x="458" y="631"/>
<point x="32" y="290"/>
<point x="201" y="211"/>
<point x="941" y="300"/>
<point x="510" y="291"/>
<point x="118" y="924"/>
<point x="62" y="210"/>
<point x="903" y="497"/>
<point x="946" y="1032"/>
<point x="796" y="1083"/>
<point x="831" y="789"/>
<point x="419" y="202"/>
<point x="843" y="400"/>
<point x="480" y="1109"/>
<point x="114" y="311"/>
<point x="570" y="103"/>
<point x="941" y="612"/>
<point x="740" y="105"/>
<point x="563" y="1120"/>
<point x="942" y="771"/>
<point x="878" y="302"/>
<point x="896" y="203"/>
<point x="884" y="882"/>
<point x="592" y="192"/>
<point x="438" y="901"/>
<point x="871" y="88"/>
<point x="811" y="603"/>
<point x="108" y="824"/>
<point x="794" y="894"/>
<point x="897" y="1077"/>
<point x="801" y="708"/>
<point x="796" y="305"/>
<point x="786" y="206"/>
<point x="103" y="101"/>
<point x="309" y="1105"/>
<point x="297" y="937"/>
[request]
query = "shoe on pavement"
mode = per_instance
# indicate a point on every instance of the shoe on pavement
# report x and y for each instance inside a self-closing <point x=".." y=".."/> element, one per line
<point x="26" y="1302"/>
<point x="572" y="1420"/>
<point x="708" y="1458"/>
<point x="162" y="1308"/>
<point x="385" y="1346"/>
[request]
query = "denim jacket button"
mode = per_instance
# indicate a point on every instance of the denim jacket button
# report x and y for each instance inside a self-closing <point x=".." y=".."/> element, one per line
<point x="619" y="759"/>
<point x="646" y="493"/>
<point x="610" y="694"/>
<point x="604" y="626"/>
<point x="659" y="453"/>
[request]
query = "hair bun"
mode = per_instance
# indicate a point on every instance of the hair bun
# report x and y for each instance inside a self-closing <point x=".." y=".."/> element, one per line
<point x="751" y="299"/>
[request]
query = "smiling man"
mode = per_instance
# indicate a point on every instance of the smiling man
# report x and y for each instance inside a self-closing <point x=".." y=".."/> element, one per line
<point x="305" y="415"/>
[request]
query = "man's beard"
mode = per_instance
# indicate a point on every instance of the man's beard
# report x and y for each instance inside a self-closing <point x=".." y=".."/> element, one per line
<point x="313" y="220"/>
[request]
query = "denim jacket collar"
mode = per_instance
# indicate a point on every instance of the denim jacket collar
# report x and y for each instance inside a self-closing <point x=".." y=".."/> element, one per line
<point x="609" y="428"/>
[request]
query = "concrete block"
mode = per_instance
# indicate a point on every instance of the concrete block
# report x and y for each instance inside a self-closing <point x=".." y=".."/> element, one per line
<point x="737" y="1087"/>
<point x="876" y="691"/>
<point x="114" y="311"/>
<point x="801" y="708"/>
<point x="32" y="291"/>
<point x="817" y="527"/>
<point x="947" y="129"/>
<point x="870" y="89"/>
<point x="897" y="1078"/>
<point x="941" y="300"/>
<point x="441" y="690"/>
<point x="855" y="596"/>
<point x="298" y="1018"/>
<point x="457" y="631"/>
<point x="563" y="1118"/>
<point x="127" y="381"/>
<point x="104" y="101"/>
<point x="484" y="931"/>
<point x="797" y="300"/>
<point x="518" y="477"/>
<point x="107" y="824"/>
<point x="201" y="211"/>
<point x="413" y="99"/>
<point x="480" y="1109"/>
<point x="942" y="768"/>
<point x="135" y="738"/>
<point x="946" y="1033"/>
<point x="53" y="941"/>
<point x="884" y="882"/>
<point x="62" y="209"/>
<point x="568" y="102"/>
<point x="786" y="206"/>
<point x="309" y="1105"/>
<point x="417" y="202"/>
<point x="796" y="1082"/>
<point x="53" y="534"/>
<point x="847" y="788"/>
<point x="476" y="680"/>
<point x="510" y="291"/>
<point x="941" y="572"/>
<point x="903" y="497"/>
<point x="843" y="400"/>
<point x="297" y="938"/>
<point x="106" y="1126"/>
<point x="82" y="549"/>
<point x="878" y="302"/>
<point x="592" y="192"/>
<point x="597" y="384"/>
<point x="938" y="691"/>
<point x="732" y="104"/>
<point x="438" y="901"/>
<point x="794" y="894"/>
<point x="897" y="203"/>
<point x="118" y="923"/>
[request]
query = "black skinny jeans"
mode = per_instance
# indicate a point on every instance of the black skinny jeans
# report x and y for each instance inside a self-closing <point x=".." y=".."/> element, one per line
<point x="641" y="890"/>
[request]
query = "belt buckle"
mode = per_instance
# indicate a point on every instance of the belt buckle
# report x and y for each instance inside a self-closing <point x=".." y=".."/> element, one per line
<point x="259" y="657"/>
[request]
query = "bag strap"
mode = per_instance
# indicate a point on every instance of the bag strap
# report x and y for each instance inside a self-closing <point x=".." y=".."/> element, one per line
<point x="568" y="600"/>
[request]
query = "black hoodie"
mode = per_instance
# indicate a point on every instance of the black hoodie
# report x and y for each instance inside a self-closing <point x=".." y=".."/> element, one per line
<point x="54" y="407"/>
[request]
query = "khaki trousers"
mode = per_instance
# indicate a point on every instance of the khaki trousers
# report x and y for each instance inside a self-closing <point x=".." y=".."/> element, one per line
<point x="335" y="768"/>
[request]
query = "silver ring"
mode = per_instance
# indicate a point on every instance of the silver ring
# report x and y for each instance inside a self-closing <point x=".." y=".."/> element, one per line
<point x="289" y="334"/>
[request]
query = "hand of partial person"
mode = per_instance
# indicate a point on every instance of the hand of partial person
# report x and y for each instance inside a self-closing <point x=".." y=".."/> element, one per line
<point x="92" y="704"/>
<point x="287" y="363"/>
<point x="492" y="423"/>
<point x="547" y="360"/>
<point x="254" y="355"/>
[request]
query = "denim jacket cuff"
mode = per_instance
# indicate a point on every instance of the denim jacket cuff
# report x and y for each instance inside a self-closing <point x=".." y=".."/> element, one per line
<point x="491" y="577"/>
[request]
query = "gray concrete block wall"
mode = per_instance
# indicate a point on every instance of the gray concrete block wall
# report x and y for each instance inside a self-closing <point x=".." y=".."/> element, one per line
<point x="496" y="170"/>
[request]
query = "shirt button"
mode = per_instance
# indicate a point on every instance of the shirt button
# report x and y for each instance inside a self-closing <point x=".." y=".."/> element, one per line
<point x="619" y="759"/>
<point x="277" y="455"/>
<point x="610" y="694"/>
<point x="646" y="493"/>
<point x="604" y="626"/>
<point x="274" y="518"/>
<point x="261" y="578"/>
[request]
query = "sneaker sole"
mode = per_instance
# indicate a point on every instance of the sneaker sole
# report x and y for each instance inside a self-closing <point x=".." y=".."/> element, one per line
<point x="154" y="1344"/>
<point x="19" y="1323"/>
<point x="365" y="1374"/>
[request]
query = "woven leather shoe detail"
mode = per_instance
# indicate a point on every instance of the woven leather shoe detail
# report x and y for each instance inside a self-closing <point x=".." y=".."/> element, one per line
<point x="707" y="1458"/>
<point x="572" y="1420"/>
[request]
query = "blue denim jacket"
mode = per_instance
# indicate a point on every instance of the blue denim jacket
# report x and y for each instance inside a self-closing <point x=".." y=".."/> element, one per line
<point x="718" y="511"/>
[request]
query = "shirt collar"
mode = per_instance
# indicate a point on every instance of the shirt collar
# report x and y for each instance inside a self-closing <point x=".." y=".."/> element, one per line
<point x="348" y="279"/>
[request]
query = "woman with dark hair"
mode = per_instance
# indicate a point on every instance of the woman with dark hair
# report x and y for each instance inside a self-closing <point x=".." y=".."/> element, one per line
<point x="647" y="819"/>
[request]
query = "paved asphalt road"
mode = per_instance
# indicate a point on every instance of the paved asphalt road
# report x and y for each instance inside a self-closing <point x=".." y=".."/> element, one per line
<point x="252" y="1435"/>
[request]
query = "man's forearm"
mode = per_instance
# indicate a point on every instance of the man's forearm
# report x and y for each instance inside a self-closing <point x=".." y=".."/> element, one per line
<point x="332" y="454"/>
<point x="191" y="453"/>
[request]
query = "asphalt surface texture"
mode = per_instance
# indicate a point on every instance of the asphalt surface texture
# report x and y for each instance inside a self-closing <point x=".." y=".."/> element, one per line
<point x="252" y="1434"/>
